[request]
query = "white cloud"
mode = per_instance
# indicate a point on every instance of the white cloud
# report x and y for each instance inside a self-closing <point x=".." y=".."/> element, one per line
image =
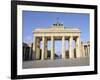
<point x="28" y="39"/>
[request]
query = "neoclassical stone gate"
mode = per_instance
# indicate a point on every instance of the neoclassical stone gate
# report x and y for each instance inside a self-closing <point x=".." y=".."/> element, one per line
<point x="56" y="32"/>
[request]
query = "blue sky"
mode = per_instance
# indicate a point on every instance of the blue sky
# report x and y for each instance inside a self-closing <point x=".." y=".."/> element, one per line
<point x="33" y="19"/>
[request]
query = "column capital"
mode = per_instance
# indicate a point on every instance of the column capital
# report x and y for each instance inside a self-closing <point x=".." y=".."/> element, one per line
<point x="52" y="37"/>
<point x="63" y="37"/>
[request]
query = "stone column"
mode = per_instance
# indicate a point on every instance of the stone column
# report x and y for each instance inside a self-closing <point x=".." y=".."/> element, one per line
<point x="88" y="50"/>
<point x="24" y="50"/>
<point x="78" y="54"/>
<point x="52" y="47"/>
<point x="71" y="53"/>
<point x="43" y="48"/>
<point x="38" y="48"/>
<point x="30" y="53"/>
<point x="83" y="50"/>
<point x="46" y="49"/>
<point x="63" y="48"/>
<point x="34" y="48"/>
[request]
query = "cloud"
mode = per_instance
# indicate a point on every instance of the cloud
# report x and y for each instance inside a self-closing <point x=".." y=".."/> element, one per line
<point x="28" y="39"/>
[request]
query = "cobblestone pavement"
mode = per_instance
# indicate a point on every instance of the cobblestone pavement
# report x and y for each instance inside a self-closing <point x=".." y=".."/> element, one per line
<point x="56" y="63"/>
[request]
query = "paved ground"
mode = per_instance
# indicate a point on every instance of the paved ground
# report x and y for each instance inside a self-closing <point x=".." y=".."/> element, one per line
<point x="56" y="63"/>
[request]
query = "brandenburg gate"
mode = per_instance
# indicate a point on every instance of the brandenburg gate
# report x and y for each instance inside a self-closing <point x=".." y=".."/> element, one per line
<point x="56" y="32"/>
